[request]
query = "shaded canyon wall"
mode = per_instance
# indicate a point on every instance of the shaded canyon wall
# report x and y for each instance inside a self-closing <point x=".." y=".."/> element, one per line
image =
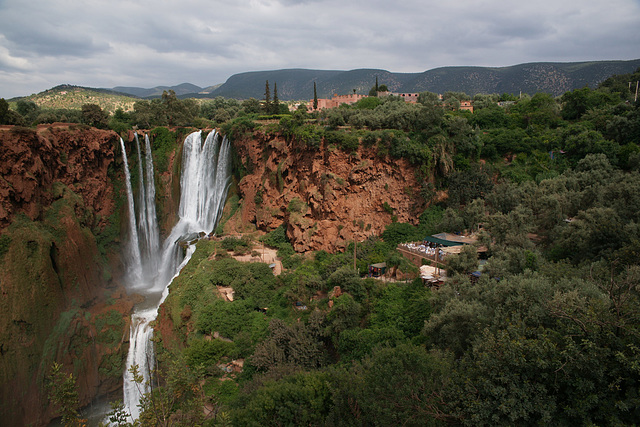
<point x="59" y="300"/>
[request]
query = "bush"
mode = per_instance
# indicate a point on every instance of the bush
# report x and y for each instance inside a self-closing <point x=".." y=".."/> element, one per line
<point x="276" y="238"/>
<point x="387" y="208"/>
<point x="5" y="242"/>
<point x="346" y="141"/>
<point x="399" y="232"/>
<point x="240" y="245"/>
<point x="296" y="205"/>
<point x="164" y="142"/>
<point x="207" y="353"/>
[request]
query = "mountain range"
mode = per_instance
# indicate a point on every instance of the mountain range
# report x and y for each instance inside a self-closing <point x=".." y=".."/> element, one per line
<point x="554" y="78"/>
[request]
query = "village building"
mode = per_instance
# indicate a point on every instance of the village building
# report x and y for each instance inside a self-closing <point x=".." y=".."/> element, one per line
<point x="377" y="270"/>
<point x="350" y="99"/>
<point x="408" y="97"/>
<point x="466" y="106"/>
<point x="335" y="101"/>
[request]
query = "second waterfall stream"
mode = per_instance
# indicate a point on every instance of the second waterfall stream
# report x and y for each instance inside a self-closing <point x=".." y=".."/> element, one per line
<point x="204" y="182"/>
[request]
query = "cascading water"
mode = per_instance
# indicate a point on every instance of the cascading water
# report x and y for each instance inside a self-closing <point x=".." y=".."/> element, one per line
<point x="133" y="247"/>
<point x="153" y="235"/>
<point x="204" y="184"/>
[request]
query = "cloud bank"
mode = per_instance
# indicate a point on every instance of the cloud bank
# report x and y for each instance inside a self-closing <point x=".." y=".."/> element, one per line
<point x="145" y="43"/>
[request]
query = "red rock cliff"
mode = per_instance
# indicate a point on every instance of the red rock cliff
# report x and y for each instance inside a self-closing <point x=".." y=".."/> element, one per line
<point x="58" y="301"/>
<point x="327" y="197"/>
<point x="30" y="161"/>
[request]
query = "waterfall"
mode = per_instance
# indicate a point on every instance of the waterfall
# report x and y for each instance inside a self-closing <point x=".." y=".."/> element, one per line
<point x="147" y="218"/>
<point x="204" y="184"/>
<point x="133" y="246"/>
<point x="152" y="236"/>
<point x="142" y="217"/>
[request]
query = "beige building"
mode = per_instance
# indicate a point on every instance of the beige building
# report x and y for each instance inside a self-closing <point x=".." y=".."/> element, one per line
<point x="336" y="101"/>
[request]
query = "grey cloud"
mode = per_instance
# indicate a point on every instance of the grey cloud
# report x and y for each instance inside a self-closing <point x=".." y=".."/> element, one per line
<point x="31" y="43"/>
<point x="148" y="43"/>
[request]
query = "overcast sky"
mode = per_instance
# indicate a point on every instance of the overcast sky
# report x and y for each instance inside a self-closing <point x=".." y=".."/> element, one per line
<point x="148" y="43"/>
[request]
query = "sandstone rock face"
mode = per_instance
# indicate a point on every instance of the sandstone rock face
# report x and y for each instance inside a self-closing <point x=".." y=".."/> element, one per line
<point x="58" y="300"/>
<point x="31" y="160"/>
<point x="326" y="197"/>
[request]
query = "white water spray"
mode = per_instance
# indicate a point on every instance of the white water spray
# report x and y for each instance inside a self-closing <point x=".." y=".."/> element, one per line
<point x="133" y="246"/>
<point x="153" y="235"/>
<point x="204" y="184"/>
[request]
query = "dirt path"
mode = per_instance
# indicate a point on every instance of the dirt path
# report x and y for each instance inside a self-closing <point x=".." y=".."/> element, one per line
<point x="266" y="255"/>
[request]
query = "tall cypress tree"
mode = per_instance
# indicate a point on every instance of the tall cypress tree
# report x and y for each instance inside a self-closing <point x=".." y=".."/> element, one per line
<point x="315" y="97"/>
<point x="267" y="98"/>
<point x="275" y="107"/>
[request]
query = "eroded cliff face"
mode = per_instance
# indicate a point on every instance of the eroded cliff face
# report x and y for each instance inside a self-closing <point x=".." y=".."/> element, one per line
<point x="32" y="160"/>
<point x="327" y="197"/>
<point x="58" y="299"/>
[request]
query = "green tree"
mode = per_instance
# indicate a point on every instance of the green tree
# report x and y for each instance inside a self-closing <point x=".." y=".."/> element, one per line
<point x="403" y="386"/>
<point x="483" y="100"/>
<point x="537" y="350"/>
<point x="63" y="393"/>
<point x="539" y="110"/>
<point x="400" y="385"/>
<point x="300" y="399"/>
<point x="374" y="89"/>
<point x="275" y="104"/>
<point x="93" y="115"/>
<point x="593" y="233"/>
<point x="315" y="97"/>
<point x="577" y="102"/>
<point x="178" y="112"/>
<point x="429" y="99"/>
<point x="4" y="111"/>
<point x="400" y="232"/>
<point x="490" y="117"/>
<point x="177" y="397"/>
<point x="144" y="115"/>
<point x="369" y="103"/>
<point x="221" y="115"/>
<point x="296" y="346"/>
<point x="251" y="106"/>
<point x="119" y="416"/>
<point x="267" y="98"/>
<point x="474" y="214"/>
<point x="345" y="314"/>
<point x="467" y="185"/>
<point x="25" y="108"/>
<point x="463" y="263"/>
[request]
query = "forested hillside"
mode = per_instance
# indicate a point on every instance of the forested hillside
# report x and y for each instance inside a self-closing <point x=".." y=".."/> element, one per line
<point x="552" y="78"/>
<point x="547" y="332"/>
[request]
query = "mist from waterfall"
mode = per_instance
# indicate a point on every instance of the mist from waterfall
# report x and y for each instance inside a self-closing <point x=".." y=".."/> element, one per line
<point x="204" y="183"/>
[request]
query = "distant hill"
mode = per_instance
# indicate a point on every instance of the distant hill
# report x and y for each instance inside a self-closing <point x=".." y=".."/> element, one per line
<point x="297" y="83"/>
<point x="156" y="92"/>
<point x="548" y="77"/>
<point x="74" y="97"/>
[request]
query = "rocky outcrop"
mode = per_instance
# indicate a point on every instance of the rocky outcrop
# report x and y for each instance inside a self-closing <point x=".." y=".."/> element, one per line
<point x="58" y="299"/>
<point x="32" y="160"/>
<point x="326" y="197"/>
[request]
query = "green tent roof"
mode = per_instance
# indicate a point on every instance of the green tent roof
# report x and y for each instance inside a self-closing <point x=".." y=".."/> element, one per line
<point x="442" y="242"/>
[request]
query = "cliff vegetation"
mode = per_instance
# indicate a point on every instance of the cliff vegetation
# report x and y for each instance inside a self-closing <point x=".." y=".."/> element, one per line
<point x="276" y="322"/>
<point x="546" y="333"/>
